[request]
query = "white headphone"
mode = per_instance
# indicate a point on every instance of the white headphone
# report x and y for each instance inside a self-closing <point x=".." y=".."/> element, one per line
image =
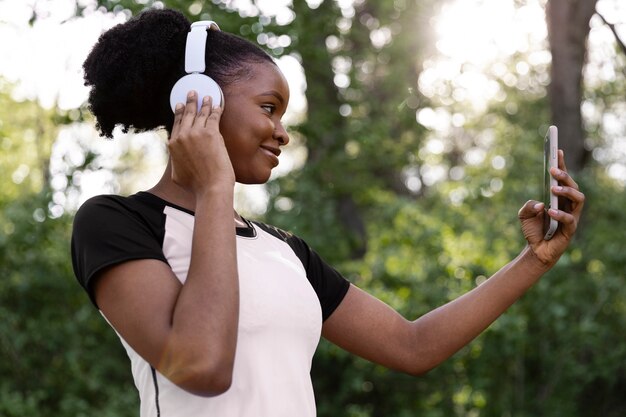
<point x="194" y="67"/>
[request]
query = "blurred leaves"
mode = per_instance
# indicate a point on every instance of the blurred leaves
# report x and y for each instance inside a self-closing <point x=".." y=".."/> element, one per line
<point x="413" y="216"/>
<point x="58" y="356"/>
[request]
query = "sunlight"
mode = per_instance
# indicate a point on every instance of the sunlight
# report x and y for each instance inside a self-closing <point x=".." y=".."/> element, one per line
<point x="474" y="31"/>
<point x="473" y="39"/>
<point x="57" y="44"/>
<point x="481" y="32"/>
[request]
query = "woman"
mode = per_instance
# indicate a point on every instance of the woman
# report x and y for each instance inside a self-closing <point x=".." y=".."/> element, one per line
<point x="221" y="316"/>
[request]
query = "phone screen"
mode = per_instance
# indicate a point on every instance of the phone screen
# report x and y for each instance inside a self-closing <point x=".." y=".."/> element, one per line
<point x="546" y="170"/>
<point x="550" y="147"/>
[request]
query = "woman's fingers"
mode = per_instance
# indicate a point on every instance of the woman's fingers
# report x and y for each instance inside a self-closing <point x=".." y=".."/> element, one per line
<point x="571" y="199"/>
<point x="560" y="174"/>
<point x="531" y="217"/>
<point x="529" y="210"/>
<point x="208" y="114"/>
<point x="184" y="115"/>
<point x="190" y="110"/>
<point x="571" y="193"/>
<point x="561" y="160"/>
<point x="188" y="116"/>
<point x="563" y="177"/>
<point x="178" y="116"/>
<point x="216" y="115"/>
<point x="205" y="111"/>
<point x="568" y="222"/>
<point x="567" y="189"/>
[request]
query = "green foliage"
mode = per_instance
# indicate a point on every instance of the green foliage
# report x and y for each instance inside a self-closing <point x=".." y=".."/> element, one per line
<point x="558" y="352"/>
<point x="58" y="356"/>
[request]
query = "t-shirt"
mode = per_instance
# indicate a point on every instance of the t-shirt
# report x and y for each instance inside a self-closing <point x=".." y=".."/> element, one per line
<point x="285" y="292"/>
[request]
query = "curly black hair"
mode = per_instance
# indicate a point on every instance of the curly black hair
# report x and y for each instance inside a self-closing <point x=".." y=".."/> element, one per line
<point x="133" y="66"/>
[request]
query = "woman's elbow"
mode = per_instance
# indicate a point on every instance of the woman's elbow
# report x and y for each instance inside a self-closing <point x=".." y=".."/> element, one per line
<point x="419" y="370"/>
<point x="209" y="386"/>
<point x="419" y="364"/>
<point x="205" y="380"/>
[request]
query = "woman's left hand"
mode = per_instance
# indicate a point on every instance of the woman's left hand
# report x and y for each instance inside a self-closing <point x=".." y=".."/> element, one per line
<point x="532" y="214"/>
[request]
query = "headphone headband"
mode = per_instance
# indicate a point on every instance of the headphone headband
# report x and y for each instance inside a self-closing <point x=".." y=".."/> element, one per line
<point x="196" y="44"/>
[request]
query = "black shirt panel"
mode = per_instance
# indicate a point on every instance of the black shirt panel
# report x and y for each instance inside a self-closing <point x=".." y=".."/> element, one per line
<point x="111" y="229"/>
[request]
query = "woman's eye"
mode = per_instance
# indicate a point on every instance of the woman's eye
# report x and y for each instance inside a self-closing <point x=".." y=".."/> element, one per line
<point x="270" y="108"/>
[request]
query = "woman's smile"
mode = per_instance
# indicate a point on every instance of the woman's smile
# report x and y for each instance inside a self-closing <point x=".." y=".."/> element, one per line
<point x="251" y="123"/>
<point x="272" y="153"/>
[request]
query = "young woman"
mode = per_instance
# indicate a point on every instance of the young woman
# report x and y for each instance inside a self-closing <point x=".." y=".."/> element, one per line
<point x="221" y="316"/>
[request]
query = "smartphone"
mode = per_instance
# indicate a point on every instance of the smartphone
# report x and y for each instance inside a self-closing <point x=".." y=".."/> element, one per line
<point x="550" y="159"/>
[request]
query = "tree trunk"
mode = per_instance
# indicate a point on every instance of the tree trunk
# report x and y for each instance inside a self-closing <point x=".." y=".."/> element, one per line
<point x="568" y="28"/>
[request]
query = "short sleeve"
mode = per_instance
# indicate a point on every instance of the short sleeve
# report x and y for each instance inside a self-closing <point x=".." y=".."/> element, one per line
<point x="108" y="230"/>
<point x="330" y="286"/>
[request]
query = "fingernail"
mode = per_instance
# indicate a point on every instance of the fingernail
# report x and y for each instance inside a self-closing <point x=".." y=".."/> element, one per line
<point x="558" y="188"/>
<point x="179" y="106"/>
<point x="205" y="100"/>
<point x="191" y="94"/>
<point x="538" y="206"/>
<point x="553" y="211"/>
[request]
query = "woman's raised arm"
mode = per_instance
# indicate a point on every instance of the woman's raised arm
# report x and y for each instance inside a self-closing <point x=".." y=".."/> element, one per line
<point x="369" y="328"/>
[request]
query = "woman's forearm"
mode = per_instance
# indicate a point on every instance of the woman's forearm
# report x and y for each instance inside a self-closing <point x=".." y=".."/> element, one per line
<point x="445" y="330"/>
<point x="205" y="317"/>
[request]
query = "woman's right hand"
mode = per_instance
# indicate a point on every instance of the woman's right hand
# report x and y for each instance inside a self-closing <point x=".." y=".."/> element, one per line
<point x="200" y="161"/>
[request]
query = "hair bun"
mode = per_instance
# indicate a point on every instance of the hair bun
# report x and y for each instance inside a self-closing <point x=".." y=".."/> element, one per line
<point x="132" y="68"/>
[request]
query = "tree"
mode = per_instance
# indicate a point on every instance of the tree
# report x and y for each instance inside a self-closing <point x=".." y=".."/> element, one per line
<point x="568" y="29"/>
<point x="559" y="351"/>
<point x="58" y="356"/>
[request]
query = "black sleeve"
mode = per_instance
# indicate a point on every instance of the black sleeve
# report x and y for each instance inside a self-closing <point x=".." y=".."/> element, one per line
<point x="109" y="230"/>
<point x="329" y="285"/>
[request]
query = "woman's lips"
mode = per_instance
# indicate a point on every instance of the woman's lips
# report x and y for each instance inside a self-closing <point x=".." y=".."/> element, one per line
<point x="272" y="153"/>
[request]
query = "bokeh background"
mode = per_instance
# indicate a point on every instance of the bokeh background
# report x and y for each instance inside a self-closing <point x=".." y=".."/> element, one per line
<point x="417" y="131"/>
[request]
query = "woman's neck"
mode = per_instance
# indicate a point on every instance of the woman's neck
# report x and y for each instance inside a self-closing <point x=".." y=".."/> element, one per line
<point x="169" y="191"/>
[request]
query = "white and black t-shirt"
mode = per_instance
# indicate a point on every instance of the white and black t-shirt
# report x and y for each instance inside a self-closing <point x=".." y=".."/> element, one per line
<point x="286" y="291"/>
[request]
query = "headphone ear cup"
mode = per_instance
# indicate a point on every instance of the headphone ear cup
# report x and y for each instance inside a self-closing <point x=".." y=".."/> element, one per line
<point x="202" y="84"/>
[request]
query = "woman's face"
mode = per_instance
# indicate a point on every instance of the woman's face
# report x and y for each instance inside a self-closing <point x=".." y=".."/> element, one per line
<point x="250" y="124"/>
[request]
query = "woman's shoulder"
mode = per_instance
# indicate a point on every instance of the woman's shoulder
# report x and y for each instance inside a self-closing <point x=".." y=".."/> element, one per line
<point x="106" y="214"/>
<point x="112" y="203"/>
<point x="274" y="231"/>
<point x="100" y="201"/>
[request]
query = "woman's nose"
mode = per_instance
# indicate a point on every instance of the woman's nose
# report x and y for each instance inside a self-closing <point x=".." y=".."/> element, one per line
<point x="280" y="134"/>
